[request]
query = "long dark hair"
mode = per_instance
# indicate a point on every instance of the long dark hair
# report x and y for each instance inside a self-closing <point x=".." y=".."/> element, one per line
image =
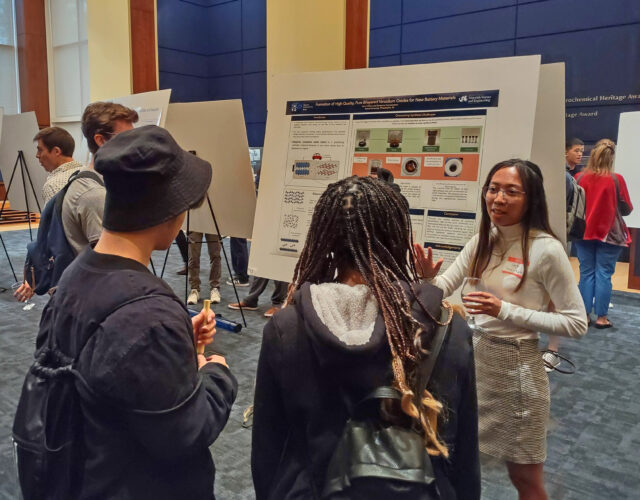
<point x="362" y="224"/>
<point x="536" y="216"/>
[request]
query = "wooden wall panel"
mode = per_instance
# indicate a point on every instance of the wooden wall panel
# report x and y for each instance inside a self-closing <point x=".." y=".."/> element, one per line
<point x="32" y="59"/>
<point x="357" y="25"/>
<point x="634" y="260"/>
<point x="143" y="46"/>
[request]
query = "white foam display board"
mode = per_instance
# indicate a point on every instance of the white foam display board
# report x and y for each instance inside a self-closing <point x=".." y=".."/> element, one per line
<point x="548" y="143"/>
<point x="152" y="107"/>
<point x="215" y="130"/>
<point x="627" y="161"/>
<point x="505" y="131"/>
<point x="18" y="132"/>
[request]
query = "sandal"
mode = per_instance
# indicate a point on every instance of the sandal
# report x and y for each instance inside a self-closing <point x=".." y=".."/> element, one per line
<point x="600" y="326"/>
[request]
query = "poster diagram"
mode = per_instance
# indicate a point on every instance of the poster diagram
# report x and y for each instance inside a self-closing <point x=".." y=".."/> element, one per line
<point x="432" y="144"/>
<point x="315" y="169"/>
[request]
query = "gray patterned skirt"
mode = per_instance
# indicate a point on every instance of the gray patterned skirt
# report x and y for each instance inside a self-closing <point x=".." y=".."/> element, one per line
<point x="513" y="399"/>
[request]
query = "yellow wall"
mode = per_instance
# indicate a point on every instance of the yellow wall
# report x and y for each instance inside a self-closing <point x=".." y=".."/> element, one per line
<point x="109" y="48"/>
<point x="305" y="35"/>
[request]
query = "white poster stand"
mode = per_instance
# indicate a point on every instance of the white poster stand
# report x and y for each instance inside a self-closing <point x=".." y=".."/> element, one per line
<point x="628" y="160"/>
<point x="548" y="144"/>
<point x="18" y="132"/>
<point x="151" y="106"/>
<point x="490" y="103"/>
<point x="215" y="130"/>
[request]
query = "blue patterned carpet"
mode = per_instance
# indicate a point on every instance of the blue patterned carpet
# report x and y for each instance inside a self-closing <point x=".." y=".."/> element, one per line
<point x="594" y="438"/>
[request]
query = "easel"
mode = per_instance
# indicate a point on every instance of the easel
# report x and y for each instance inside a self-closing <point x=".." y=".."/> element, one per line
<point x="23" y="170"/>
<point x="224" y="253"/>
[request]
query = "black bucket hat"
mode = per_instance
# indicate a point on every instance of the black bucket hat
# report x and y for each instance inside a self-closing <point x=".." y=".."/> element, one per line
<point x="149" y="179"/>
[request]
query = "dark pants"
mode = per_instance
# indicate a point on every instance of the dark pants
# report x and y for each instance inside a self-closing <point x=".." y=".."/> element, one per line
<point x="258" y="286"/>
<point x="239" y="258"/>
<point x="183" y="246"/>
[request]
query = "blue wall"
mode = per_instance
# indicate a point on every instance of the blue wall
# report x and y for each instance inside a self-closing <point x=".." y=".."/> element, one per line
<point x="216" y="49"/>
<point x="598" y="40"/>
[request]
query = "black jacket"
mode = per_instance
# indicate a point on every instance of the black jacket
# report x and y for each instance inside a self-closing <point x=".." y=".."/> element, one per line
<point x="299" y="414"/>
<point x="141" y="356"/>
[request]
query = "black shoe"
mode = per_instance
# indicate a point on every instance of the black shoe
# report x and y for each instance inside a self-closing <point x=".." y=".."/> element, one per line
<point x="237" y="282"/>
<point x="182" y="272"/>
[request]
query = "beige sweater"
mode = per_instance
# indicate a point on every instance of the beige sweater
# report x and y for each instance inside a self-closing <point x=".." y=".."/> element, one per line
<point x="525" y="312"/>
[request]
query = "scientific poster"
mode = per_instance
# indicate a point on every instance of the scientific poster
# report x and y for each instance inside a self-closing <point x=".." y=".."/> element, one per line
<point x="438" y="128"/>
<point x="430" y="143"/>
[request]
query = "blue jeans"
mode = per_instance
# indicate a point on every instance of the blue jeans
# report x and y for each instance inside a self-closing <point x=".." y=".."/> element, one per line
<point x="239" y="258"/>
<point x="597" y="265"/>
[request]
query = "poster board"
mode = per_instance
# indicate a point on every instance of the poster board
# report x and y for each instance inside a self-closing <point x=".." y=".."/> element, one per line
<point x="454" y="120"/>
<point x="216" y="131"/>
<point x="627" y="161"/>
<point x="548" y="144"/>
<point x="18" y="132"/>
<point x="152" y="107"/>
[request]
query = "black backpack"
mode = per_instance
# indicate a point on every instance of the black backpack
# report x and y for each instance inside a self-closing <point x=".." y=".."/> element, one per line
<point x="576" y="223"/>
<point x="48" y="425"/>
<point x="50" y="254"/>
<point x="380" y="460"/>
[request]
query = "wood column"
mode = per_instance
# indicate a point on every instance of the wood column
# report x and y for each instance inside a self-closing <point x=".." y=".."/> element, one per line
<point x="357" y="34"/>
<point x="143" y="46"/>
<point x="634" y="260"/>
<point x="32" y="59"/>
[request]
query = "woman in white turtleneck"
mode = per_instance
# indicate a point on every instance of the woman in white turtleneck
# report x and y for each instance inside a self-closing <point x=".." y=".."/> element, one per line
<point x="524" y="267"/>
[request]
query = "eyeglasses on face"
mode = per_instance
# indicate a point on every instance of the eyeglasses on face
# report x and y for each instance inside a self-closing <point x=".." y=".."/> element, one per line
<point x="509" y="193"/>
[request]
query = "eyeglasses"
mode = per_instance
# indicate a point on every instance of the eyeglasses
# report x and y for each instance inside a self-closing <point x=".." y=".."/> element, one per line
<point x="507" y="193"/>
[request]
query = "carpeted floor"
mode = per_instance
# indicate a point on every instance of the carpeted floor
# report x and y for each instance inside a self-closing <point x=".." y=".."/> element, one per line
<point x="594" y="438"/>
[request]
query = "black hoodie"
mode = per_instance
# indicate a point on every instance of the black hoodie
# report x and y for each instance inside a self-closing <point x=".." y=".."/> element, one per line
<point x="299" y="411"/>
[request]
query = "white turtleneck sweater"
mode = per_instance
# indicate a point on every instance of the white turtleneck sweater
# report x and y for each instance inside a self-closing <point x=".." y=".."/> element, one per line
<point x="525" y="312"/>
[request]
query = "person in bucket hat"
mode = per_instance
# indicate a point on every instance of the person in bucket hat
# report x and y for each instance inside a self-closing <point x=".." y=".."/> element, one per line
<point x="161" y="405"/>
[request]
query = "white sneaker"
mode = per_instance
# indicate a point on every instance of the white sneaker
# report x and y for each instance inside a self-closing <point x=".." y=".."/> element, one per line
<point x="194" y="297"/>
<point x="551" y="360"/>
<point x="215" y="296"/>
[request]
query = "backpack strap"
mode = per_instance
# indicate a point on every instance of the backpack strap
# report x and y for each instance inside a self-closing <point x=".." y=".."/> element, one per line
<point x="426" y="369"/>
<point x="78" y="174"/>
<point x="615" y="182"/>
<point x="444" y="326"/>
<point x="53" y="363"/>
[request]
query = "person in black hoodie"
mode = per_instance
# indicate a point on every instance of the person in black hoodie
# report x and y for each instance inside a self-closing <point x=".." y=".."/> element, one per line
<point x="355" y="310"/>
<point x="159" y="404"/>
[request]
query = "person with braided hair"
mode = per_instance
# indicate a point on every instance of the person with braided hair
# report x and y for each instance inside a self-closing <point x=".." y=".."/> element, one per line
<point x="524" y="269"/>
<point x="358" y="318"/>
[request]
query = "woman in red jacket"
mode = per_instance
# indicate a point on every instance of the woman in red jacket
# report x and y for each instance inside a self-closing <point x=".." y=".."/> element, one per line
<point x="606" y="234"/>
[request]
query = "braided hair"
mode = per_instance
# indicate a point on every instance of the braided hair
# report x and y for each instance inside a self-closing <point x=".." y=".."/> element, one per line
<point x="362" y="224"/>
